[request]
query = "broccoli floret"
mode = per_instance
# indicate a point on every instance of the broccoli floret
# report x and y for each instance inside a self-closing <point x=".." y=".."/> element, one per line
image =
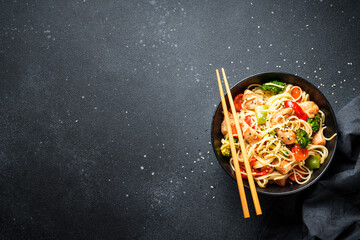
<point x="225" y="150"/>
<point x="274" y="87"/>
<point x="302" y="138"/>
<point x="235" y="139"/>
<point x="225" y="147"/>
<point x="315" y="123"/>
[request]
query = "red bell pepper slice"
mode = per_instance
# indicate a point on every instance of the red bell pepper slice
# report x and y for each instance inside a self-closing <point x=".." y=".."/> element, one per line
<point x="299" y="153"/>
<point x="295" y="93"/>
<point x="265" y="171"/>
<point x="298" y="110"/>
<point x="250" y="121"/>
<point x="298" y="175"/>
<point x="234" y="131"/>
<point x="238" y="101"/>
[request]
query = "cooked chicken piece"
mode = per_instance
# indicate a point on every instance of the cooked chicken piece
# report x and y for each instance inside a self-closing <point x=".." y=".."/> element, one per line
<point x="281" y="116"/>
<point x="286" y="136"/>
<point x="252" y="100"/>
<point x="224" y="129"/>
<point x="250" y="135"/>
<point x="281" y="182"/>
<point x="319" y="139"/>
<point x="284" y="167"/>
<point x="310" y="108"/>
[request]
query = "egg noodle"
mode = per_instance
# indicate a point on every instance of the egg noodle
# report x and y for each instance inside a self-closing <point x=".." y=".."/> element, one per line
<point x="270" y="154"/>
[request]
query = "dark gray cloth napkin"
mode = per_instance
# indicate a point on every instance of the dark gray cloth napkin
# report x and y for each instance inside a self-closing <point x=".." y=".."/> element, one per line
<point x="329" y="209"/>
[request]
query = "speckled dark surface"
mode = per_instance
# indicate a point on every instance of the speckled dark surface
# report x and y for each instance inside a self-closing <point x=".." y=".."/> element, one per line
<point x="106" y="109"/>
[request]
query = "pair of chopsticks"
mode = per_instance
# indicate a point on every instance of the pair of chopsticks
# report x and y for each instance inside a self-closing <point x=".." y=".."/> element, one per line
<point x="242" y="147"/>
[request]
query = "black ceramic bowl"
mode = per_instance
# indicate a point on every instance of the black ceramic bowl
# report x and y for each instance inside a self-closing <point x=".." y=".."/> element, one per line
<point x="315" y="95"/>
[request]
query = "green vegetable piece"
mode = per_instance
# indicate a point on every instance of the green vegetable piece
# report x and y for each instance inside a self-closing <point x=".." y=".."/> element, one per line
<point x="285" y="154"/>
<point x="313" y="162"/>
<point x="225" y="150"/>
<point x="274" y="87"/>
<point x="260" y="113"/>
<point x="272" y="133"/>
<point x="302" y="138"/>
<point x="235" y="139"/>
<point x="315" y="123"/>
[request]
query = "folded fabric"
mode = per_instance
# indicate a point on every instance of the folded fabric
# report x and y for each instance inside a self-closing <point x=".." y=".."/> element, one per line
<point x="329" y="209"/>
<point x="332" y="210"/>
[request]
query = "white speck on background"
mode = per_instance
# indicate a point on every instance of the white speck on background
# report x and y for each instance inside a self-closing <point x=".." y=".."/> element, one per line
<point x="142" y="168"/>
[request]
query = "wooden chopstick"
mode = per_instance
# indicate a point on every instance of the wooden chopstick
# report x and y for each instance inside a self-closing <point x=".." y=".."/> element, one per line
<point x="233" y="150"/>
<point x="243" y="149"/>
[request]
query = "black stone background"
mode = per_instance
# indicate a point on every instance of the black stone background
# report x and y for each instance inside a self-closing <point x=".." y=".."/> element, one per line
<point x="106" y="109"/>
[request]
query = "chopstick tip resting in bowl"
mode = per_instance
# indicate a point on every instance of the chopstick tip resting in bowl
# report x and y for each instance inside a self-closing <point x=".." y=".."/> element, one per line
<point x="233" y="150"/>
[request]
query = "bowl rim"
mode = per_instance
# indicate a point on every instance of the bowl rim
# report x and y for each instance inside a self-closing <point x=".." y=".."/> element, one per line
<point x="305" y="186"/>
